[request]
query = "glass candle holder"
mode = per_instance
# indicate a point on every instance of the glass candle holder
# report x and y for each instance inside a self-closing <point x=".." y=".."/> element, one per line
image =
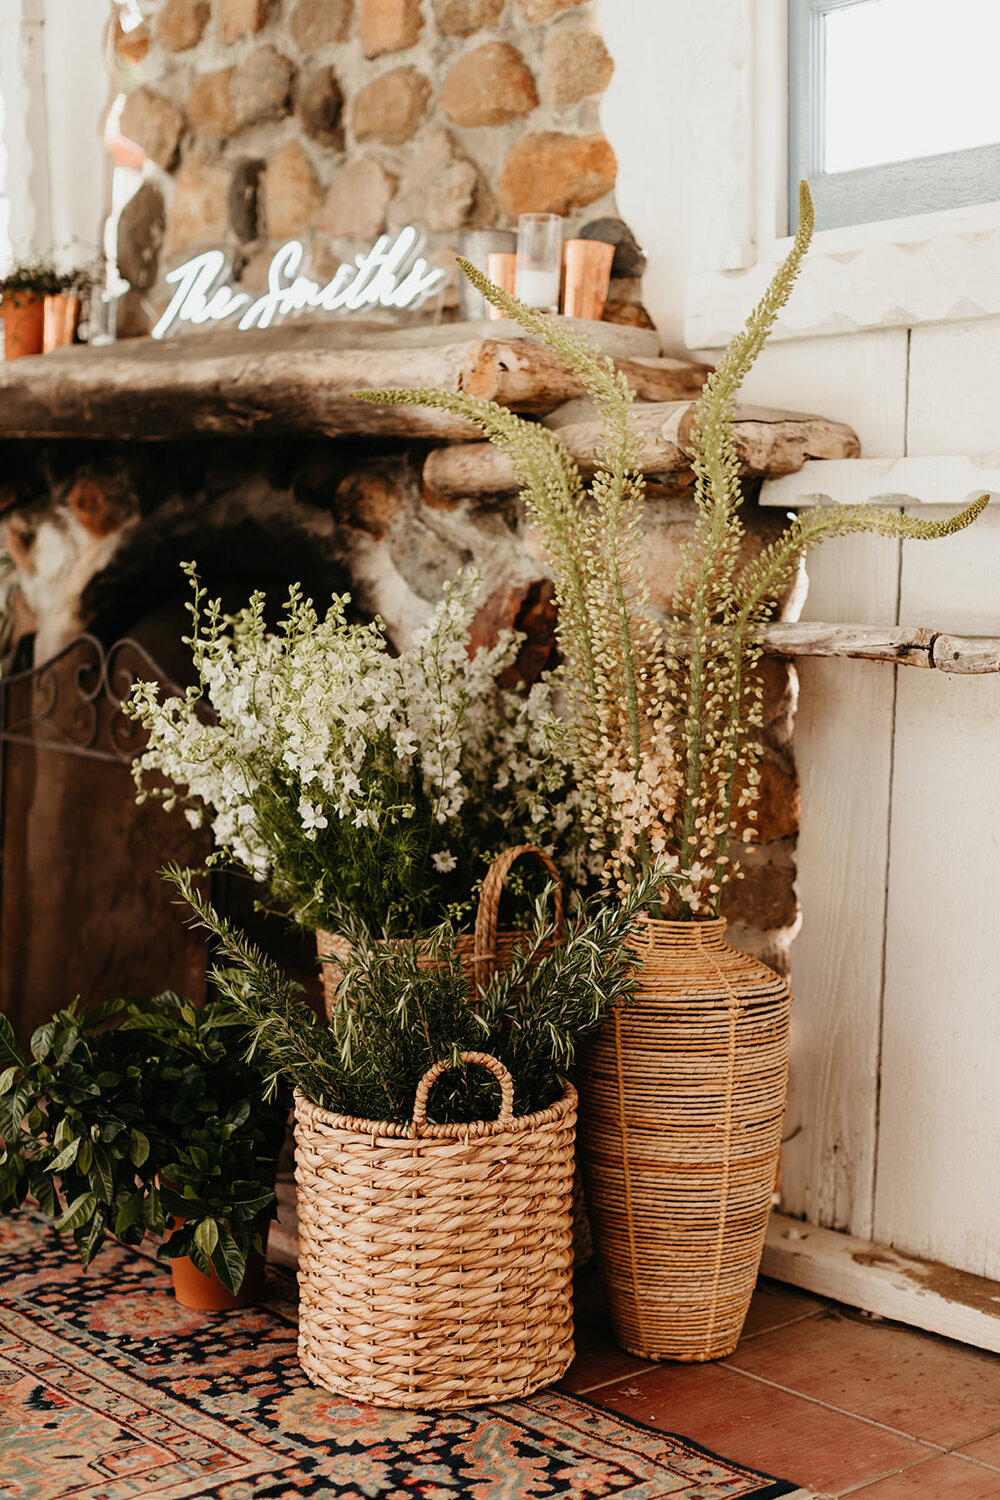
<point x="477" y="245"/>
<point x="539" y="261"/>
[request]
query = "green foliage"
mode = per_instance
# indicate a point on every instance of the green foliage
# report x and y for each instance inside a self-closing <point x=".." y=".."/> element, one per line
<point x="406" y="1012"/>
<point x="29" y="278"/>
<point x="114" y="1097"/>
<point x="666" y="725"/>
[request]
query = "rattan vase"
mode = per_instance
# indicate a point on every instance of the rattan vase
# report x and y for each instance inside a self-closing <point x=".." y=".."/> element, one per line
<point x="435" y="1261"/>
<point x="681" y="1101"/>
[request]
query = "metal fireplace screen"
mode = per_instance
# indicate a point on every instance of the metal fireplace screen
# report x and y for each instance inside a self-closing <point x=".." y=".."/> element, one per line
<point x="83" y="910"/>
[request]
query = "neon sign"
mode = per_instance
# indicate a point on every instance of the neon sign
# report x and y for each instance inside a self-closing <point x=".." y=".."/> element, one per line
<point x="385" y="276"/>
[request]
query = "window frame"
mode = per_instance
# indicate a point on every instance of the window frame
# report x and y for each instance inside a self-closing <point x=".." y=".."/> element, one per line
<point x="940" y="267"/>
<point x="866" y="195"/>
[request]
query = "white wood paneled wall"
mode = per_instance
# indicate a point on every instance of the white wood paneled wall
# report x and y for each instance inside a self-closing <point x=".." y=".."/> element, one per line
<point x="894" y="1113"/>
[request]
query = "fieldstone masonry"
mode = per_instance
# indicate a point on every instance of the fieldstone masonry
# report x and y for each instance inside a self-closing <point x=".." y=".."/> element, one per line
<point x="333" y="121"/>
<point x="368" y="114"/>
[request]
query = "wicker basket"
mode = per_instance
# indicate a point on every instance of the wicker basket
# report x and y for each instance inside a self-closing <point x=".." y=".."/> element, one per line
<point x="682" y="1095"/>
<point x="482" y="952"/>
<point x="435" y="1261"/>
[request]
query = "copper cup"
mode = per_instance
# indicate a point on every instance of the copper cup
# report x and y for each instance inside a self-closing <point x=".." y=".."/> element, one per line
<point x="587" y="271"/>
<point x="501" y="268"/>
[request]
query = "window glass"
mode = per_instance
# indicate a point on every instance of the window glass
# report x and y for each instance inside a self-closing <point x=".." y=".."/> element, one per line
<point x="908" y="78"/>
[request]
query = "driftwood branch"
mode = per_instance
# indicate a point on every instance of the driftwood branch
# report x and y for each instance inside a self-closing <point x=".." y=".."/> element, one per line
<point x="900" y="645"/>
<point x="288" y="380"/>
<point x="767" y="443"/>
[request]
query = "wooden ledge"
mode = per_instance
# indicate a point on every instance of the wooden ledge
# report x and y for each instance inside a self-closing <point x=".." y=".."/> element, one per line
<point x="901" y="646"/>
<point x="298" y="379"/>
<point x="767" y="443"/>
<point x="882" y="1280"/>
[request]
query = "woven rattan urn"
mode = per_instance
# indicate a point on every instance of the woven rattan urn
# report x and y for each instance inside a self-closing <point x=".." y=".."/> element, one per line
<point x="435" y="1261"/>
<point x="681" y="1101"/>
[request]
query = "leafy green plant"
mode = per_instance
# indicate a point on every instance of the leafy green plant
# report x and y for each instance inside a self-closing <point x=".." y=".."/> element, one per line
<point x="666" y="720"/>
<point x="134" y="1112"/>
<point x="27" y="279"/>
<point x="407" y="1010"/>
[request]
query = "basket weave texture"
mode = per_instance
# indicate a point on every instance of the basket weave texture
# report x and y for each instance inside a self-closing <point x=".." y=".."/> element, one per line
<point x="435" y="1261"/>
<point x="682" y="1096"/>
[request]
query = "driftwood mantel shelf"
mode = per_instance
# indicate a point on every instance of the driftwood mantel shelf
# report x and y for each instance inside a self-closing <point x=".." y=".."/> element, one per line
<point x="901" y="646"/>
<point x="298" y="379"/>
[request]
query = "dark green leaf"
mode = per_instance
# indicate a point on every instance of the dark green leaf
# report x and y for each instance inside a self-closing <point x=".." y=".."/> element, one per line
<point x="10" y="1053"/>
<point x="86" y="1155"/>
<point x="152" y="1211"/>
<point x="229" y="1261"/>
<point x="102" y="1175"/>
<point x="139" y="1148"/>
<point x="14" y="1107"/>
<point x="43" y="1190"/>
<point x="65" y="1158"/>
<point x="90" y="1237"/>
<point x="79" y="1211"/>
<point x="129" y="1214"/>
<point x="7" y="1078"/>
<point x="41" y="1042"/>
<point x="206" y="1236"/>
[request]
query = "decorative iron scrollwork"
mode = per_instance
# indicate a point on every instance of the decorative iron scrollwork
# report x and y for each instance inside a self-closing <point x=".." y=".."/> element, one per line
<point x="72" y="703"/>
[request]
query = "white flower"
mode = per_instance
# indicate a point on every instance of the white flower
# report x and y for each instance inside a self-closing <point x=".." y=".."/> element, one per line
<point x="443" y="861"/>
<point x="311" y="816"/>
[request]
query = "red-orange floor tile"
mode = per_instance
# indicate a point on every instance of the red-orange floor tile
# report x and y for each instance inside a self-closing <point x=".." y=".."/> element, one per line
<point x="768" y="1429"/>
<point x="775" y="1305"/>
<point x="599" y="1360"/>
<point x="985" y="1451"/>
<point x="927" y="1387"/>
<point x="939" y="1479"/>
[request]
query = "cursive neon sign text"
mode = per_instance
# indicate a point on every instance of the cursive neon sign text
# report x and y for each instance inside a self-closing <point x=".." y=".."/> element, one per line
<point x="384" y="276"/>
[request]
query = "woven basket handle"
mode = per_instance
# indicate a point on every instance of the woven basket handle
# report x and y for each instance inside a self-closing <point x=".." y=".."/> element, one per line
<point x="484" y="955"/>
<point x="500" y="1073"/>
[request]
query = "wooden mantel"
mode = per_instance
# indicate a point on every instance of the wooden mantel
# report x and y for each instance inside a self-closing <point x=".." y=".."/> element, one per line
<point x="298" y="379"/>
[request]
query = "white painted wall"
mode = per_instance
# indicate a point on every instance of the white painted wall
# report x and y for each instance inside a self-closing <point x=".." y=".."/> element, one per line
<point x="55" y="89"/>
<point x="893" y="1106"/>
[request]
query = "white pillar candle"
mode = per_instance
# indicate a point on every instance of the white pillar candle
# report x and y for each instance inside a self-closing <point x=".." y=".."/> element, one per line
<point x="537" y="288"/>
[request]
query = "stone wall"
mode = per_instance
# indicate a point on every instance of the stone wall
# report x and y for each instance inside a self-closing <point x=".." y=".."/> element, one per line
<point x="332" y="121"/>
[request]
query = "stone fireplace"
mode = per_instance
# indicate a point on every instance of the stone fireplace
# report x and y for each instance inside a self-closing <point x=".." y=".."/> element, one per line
<point x="260" y="120"/>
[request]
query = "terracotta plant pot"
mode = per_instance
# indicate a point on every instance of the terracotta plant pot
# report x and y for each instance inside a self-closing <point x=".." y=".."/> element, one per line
<point x="23" y="324"/>
<point x="193" y="1288"/>
<point x="62" y="317"/>
<point x="682" y="1095"/>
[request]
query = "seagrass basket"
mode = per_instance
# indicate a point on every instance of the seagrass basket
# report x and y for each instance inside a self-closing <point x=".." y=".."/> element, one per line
<point x="435" y="1261"/>
<point x="682" y="1097"/>
<point x="488" y="948"/>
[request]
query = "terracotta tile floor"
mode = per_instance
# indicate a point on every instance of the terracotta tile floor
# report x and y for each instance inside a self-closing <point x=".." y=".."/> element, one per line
<point x="840" y="1403"/>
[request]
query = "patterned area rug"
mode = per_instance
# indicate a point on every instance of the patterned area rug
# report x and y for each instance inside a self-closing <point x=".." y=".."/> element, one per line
<point x="109" y="1390"/>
